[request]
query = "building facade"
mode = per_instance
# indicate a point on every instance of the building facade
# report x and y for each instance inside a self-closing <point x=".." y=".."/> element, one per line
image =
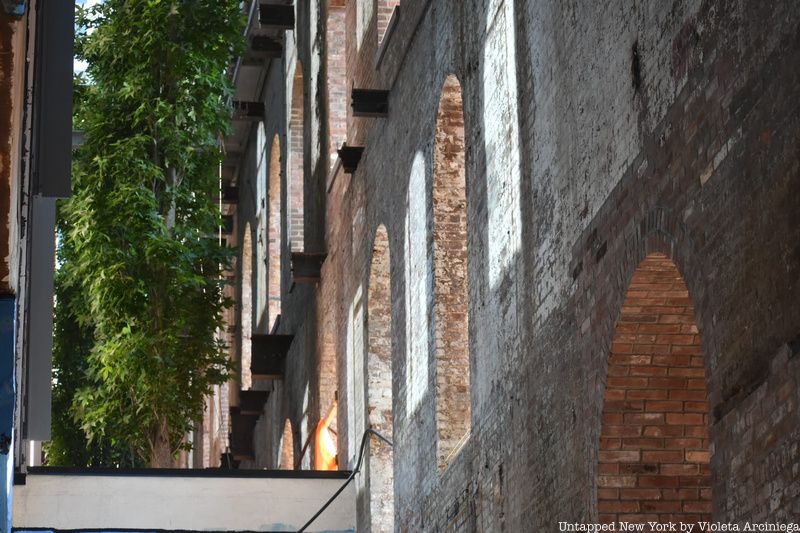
<point x="556" y="263"/>
<point x="35" y="155"/>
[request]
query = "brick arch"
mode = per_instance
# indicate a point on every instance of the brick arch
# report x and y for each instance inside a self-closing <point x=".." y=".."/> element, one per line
<point x="379" y="385"/>
<point x="654" y="441"/>
<point x="286" y="458"/>
<point x="451" y="291"/>
<point x="274" y="232"/>
<point x="296" y="160"/>
<point x="246" y="320"/>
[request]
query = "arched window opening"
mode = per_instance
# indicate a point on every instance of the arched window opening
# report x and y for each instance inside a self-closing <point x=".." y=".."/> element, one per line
<point x="337" y="77"/>
<point x="654" y="441"/>
<point x="328" y="384"/>
<point x="379" y="386"/>
<point x="274" y="244"/>
<point x="385" y="11"/>
<point x="287" y="447"/>
<point x="246" y="307"/>
<point x="296" y="161"/>
<point x="451" y="303"/>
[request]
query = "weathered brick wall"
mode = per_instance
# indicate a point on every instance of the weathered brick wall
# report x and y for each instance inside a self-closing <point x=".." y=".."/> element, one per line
<point x="654" y="443"/>
<point x="596" y="134"/>
<point x="761" y="452"/>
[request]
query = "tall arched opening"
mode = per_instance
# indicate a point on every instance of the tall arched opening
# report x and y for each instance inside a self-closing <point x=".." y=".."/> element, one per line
<point x="335" y="57"/>
<point x="379" y="386"/>
<point x="654" y="443"/>
<point x="451" y="302"/>
<point x="286" y="456"/>
<point x="296" y="161"/>
<point x="246" y="320"/>
<point x="274" y="245"/>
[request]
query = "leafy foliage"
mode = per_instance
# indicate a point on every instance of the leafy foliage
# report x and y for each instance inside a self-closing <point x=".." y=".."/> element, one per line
<point x="139" y="286"/>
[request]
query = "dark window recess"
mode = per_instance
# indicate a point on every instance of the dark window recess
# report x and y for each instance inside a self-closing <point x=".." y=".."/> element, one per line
<point x="264" y="46"/>
<point x="249" y="111"/>
<point x="269" y="355"/>
<point x="276" y="15"/>
<point x="306" y="267"/>
<point x="53" y="100"/>
<point x="350" y="156"/>
<point x="369" y="102"/>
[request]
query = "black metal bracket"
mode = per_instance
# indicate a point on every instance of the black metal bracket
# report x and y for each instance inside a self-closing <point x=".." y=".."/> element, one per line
<point x="248" y="111"/>
<point x="265" y="46"/>
<point x="269" y="355"/>
<point x="307" y="267"/>
<point x="350" y="157"/>
<point x="276" y="15"/>
<point x="369" y="102"/>
<point x="251" y="402"/>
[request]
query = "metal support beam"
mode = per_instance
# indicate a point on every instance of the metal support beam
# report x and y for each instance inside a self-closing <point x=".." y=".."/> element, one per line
<point x="248" y="111"/>
<point x="369" y="102"/>
<point x="350" y="156"/>
<point x="276" y="15"/>
<point x="265" y="47"/>
<point x="269" y="355"/>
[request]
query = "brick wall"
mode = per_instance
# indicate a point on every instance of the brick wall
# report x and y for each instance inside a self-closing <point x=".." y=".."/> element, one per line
<point x="450" y="272"/>
<point x="762" y="446"/>
<point x="595" y="135"/>
<point x="654" y="444"/>
<point x="379" y="387"/>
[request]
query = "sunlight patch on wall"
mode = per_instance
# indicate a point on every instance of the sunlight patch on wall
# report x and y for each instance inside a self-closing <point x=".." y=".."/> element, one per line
<point x="501" y="128"/>
<point x="417" y="275"/>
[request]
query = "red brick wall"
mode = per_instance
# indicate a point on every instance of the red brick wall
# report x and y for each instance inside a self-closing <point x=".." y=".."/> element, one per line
<point x="379" y="385"/>
<point x="274" y="214"/>
<point x="654" y="445"/>
<point x="296" y="159"/>
<point x="451" y="305"/>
